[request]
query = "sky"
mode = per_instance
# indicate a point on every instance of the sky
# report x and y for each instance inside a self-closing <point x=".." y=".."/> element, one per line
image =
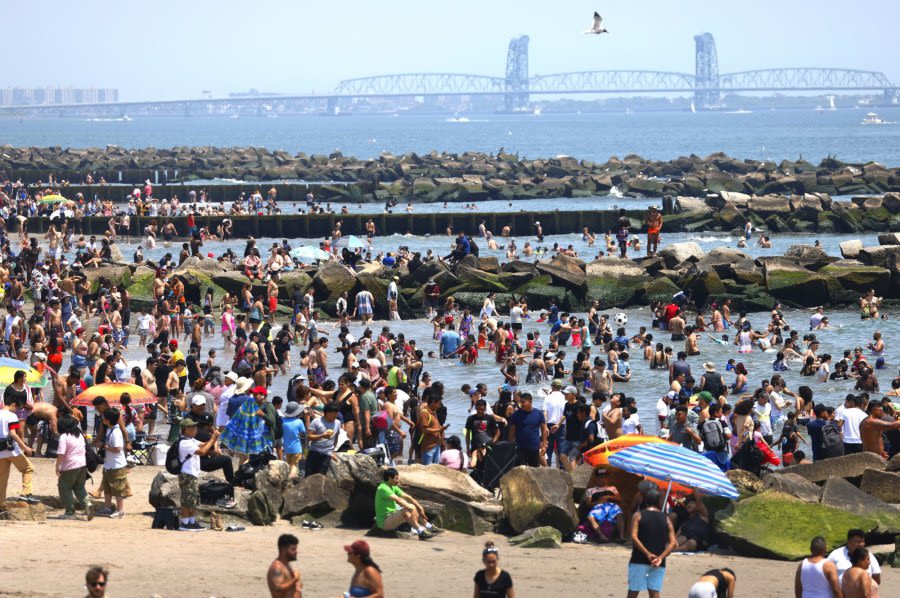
<point x="166" y="49"/>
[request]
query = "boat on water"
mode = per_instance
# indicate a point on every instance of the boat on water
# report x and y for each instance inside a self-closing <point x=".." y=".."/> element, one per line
<point x="873" y="119"/>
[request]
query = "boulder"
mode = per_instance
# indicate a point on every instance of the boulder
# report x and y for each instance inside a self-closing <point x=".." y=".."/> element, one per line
<point x="537" y="496"/>
<point x="841" y="494"/>
<point x="316" y="495"/>
<point x="564" y="272"/>
<point x="474" y="279"/>
<point x="779" y="526"/>
<point x="884" y="485"/>
<point x="746" y="483"/>
<point x="270" y="485"/>
<point x="889" y="239"/>
<point x="113" y="273"/>
<point x="853" y="276"/>
<point x="359" y="476"/>
<point x="851" y="249"/>
<point x="880" y="255"/>
<point x="538" y="537"/>
<point x="581" y="477"/>
<point x="207" y="265"/>
<point x="288" y="282"/>
<point x="793" y="484"/>
<point x="809" y="256"/>
<point x="894" y="463"/>
<point x="768" y="205"/>
<point x="455" y="514"/>
<point x="677" y="253"/>
<point x="333" y="279"/>
<point x="795" y="284"/>
<point x="849" y="467"/>
<point x="22" y="511"/>
<point x="423" y="480"/>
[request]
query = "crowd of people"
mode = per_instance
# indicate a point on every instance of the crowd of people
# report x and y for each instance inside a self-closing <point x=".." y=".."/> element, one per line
<point x="371" y="392"/>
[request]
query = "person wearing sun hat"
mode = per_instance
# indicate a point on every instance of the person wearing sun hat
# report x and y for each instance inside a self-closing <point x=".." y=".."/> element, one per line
<point x="366" y="580"/>
<point x="293" y="427"/>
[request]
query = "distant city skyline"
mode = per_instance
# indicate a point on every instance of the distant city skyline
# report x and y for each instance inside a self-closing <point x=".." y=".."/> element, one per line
<point x="171" y="50"/>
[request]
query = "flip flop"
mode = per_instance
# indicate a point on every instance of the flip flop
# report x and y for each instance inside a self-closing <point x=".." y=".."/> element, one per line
<point x="235" y="528"/>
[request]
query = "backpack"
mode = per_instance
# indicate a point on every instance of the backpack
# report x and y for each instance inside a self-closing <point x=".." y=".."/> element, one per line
<point x="473" y="248"/>
<point x="165" y="518"/>
<point x="713" y="436"/>
<point x="381" y="420"/>
<point x="832" y="440"/>
<point x="214" y="490"/>
<point x="173" y="461"/>
<point x="259" y="510"/>
<point x="245" y="476"/>
<point x="92" y="459"/>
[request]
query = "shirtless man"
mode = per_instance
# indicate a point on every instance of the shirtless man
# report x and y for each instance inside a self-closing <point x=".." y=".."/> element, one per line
<point x="159" y="287"/>
<point x="676" y="326"/>
<point x="691" y="346"/>
<point x="601" y="379"/>
<point x="612" y="419"/>
<point x="272" y="296"/>
<point x="40" y="412"/>
<point x="871" y="429"/>
<point x="284" y="581"/>
<point x="653" y="222"/>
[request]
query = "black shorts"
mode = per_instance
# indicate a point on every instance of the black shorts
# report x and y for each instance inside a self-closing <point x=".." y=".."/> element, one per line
<point x="529" y="457"/>
<point x="31" y="420"/>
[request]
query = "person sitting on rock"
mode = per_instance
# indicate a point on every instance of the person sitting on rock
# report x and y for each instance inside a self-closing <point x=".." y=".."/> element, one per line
<point x="605" y="522"/>
<point x="393" y="507"/>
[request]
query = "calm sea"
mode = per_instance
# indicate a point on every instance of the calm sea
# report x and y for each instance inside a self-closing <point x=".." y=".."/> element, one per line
<point x="768" y="134"/>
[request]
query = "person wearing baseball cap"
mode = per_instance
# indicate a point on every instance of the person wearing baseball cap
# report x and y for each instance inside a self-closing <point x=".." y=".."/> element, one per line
<point x="366" y="580"/>
<point x="189" y="452"/>
<point x="266" y="411"/>
<point x="197" y="406"/>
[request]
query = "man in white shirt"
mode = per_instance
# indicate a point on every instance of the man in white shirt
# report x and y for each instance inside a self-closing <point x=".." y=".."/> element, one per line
<point x="554" y="405"/>
<point x="856" y="538"/>
<point x="189" y="452"/>
<point x="816" y="318"/>
<point x="851" y="416"/>
<point x="392" y="292"/>
<point x="763" y="413"/>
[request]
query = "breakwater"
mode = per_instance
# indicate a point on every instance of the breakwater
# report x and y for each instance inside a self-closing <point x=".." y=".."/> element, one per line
<point x="433" y="177"/>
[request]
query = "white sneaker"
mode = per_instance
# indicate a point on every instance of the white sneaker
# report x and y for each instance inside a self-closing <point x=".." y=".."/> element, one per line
<point x="116" y="515"/>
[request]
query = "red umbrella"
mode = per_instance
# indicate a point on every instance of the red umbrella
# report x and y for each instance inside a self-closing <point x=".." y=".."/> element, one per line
<point x="111" y="391"/>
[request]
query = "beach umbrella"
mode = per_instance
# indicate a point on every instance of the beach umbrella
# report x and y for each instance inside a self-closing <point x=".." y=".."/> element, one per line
<point x="351" y="241"/>
<point x="599" y="455"/>
<point x="674" y="464"/>
<point x="111" y="391"/>
<point x="309" y="253"/>
<point x="9" y="367"/>
<point x="55" y="198"/>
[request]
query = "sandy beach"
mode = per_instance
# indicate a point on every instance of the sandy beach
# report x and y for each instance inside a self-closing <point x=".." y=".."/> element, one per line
<point x="144" y="562"/>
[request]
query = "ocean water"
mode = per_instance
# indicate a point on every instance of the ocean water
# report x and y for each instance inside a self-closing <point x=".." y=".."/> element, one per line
<point x="768" y="134"/>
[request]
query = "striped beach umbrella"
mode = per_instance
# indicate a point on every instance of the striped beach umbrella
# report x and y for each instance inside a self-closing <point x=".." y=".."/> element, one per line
<point x="674" y="464"/>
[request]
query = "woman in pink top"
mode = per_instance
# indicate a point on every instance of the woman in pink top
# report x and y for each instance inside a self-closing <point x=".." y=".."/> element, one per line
<point x="71" y="467"/>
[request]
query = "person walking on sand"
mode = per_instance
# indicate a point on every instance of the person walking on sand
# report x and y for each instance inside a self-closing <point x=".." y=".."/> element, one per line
<point x="366" y="580"/>
<point x="95" y="582"/>
<point x="653" y="539"/>
<point x="817" y="577"/>
<point x="283" y="580"/>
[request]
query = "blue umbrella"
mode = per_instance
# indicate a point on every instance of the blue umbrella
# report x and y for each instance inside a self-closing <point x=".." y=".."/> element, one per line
<point x="674" y="463"/>
<point x="351" y="241"/>
<point x="309" y="253"/>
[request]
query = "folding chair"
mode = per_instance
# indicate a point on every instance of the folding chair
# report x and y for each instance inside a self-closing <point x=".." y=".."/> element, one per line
<point x="142" y="448"/>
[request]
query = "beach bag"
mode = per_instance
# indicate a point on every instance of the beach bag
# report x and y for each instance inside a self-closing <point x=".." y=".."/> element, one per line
<point x="213" y="491"/>
<point x="173" y="461"/>
<point x="92" y="459"/>
<point x="713" y="437"/>
<point x="832" y="440"/>
<point x="165" y="518"/>
<point x="381" y="420"/>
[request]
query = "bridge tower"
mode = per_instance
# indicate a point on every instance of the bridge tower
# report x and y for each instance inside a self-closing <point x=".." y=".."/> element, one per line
<point x="516" y="95"/>
<point x="706" y="80"/>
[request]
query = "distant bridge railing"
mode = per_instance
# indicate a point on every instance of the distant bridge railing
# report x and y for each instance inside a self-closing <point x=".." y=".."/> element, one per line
<point x="809" y="78"/>
<point x="420" y="84"/>
<point x="610" y="82"/>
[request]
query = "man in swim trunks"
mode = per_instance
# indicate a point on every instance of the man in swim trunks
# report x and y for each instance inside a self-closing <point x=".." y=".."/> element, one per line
<point x="653" y="221"/>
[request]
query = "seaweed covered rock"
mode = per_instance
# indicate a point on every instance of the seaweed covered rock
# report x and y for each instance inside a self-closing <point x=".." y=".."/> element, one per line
<point x="759" y="526"/>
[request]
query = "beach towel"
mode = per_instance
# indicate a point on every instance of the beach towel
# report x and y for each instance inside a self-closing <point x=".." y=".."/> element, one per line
<point x="245" y="431"/>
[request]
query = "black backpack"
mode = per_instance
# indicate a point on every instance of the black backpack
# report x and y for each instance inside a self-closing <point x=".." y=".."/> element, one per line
<point x="832" y="440"/>
<point x="91" y="457"/>
<point x="165" y="518"/>
<point x="713" y="435"/>
<point x="245" y="476"/>
<point x="173" y="461"/>
<point x="214" y="490"/>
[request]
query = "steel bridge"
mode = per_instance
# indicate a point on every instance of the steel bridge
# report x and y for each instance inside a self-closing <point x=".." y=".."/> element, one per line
<point x="514" y="90"/>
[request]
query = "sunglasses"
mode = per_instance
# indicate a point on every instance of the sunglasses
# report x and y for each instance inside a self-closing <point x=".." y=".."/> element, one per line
<point x="97" y="584"/>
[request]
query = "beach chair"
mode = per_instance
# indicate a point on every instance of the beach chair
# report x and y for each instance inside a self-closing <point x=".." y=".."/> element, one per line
<point x="499" y="458"/>
<point x="142" y="448"/>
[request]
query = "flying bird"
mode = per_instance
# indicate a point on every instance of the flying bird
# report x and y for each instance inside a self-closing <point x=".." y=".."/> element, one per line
<point x="597" y="27"/>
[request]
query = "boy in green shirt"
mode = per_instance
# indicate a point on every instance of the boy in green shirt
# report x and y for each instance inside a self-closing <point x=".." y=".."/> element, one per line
<point x="393" y="507"/>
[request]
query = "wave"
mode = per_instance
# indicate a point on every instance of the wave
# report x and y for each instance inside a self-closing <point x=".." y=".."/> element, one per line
<point x="710" y="239"/>
<point x="614" y="192"/>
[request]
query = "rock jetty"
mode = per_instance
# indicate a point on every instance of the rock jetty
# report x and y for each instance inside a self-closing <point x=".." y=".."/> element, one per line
<point x="470" y="176"/>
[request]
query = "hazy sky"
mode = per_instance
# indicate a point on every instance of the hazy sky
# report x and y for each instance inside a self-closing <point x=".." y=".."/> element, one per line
<point x="163" y="49"/>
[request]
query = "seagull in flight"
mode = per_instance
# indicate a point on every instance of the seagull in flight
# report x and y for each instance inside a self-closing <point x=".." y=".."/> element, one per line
<point x="597" y="27"/>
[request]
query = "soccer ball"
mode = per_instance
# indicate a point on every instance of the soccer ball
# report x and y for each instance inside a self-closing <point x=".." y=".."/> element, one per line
<point x="621" y="320"/>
